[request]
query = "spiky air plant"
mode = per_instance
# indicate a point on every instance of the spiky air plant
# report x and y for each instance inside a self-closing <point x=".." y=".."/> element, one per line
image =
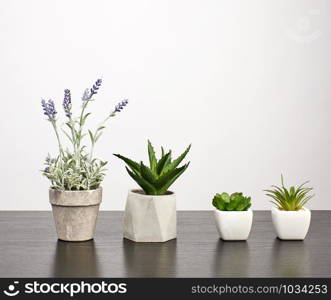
<point x="233" y="202"/>
<point x="292" y="198"/>
<point x="161" y="173"/>
<point x="75" y="168"/>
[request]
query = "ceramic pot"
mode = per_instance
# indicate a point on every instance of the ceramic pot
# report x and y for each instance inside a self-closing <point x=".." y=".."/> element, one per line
<point x="149" y="218"/>
<point x="75" y="213"/>
<point x="234" y="225"/>
<point x="291" y="224"/>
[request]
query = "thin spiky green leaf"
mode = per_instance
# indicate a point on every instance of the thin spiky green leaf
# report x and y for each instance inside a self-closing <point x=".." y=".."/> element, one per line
<point x="162" y="163"/>
<point x="134" y="166"/>
<point x="147" y="174"/>
<point x="152" y="157"/>
<point x="178" y="160"/>
<point x="146" y="186"/>
<point x="169" y="179"/>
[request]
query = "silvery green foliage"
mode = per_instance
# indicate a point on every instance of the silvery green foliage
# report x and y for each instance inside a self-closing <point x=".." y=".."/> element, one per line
<point x="75" y="168"/>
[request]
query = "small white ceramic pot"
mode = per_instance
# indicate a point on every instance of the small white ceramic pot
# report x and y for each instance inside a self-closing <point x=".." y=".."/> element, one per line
<point x="149" y="218"/>
<point x="291" y="225"/>
<point x="234" y="225"/>
<point x="75" y="213"/>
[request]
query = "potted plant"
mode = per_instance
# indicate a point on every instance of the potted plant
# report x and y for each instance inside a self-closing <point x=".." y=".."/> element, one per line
<point x="75" y="174"/>
<point x="290" y="217"/>
<point x="150" y="213"/>
<point x="233" y="216"/>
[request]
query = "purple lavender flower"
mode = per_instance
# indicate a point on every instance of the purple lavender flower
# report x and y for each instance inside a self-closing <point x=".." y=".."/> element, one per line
<point x="49" y="109"/>
<point x="46" y="170"/>
<point x="88" y="93"/>
<point x="67" y="103"/>
<point x="119" y="107"/>
<point x="95" y="87"/>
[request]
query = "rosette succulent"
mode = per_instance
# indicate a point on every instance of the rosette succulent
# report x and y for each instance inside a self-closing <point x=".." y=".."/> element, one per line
<point x="75" y="168"/>
<point x="161" y="173"/>
<point x="233" y="202"/>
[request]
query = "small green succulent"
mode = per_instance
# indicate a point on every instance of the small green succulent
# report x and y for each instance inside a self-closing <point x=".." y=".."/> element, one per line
<point x="233" y="202"/>
<point x="292" y="198"/>
<point x="160" y="175"/>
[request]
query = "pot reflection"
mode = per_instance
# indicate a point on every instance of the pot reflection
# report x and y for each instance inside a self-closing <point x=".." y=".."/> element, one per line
<point x="75" y="259"/>
<point x="150" y="259"/>
<point x="231" y="259"/>
<point x="290" y="259"/>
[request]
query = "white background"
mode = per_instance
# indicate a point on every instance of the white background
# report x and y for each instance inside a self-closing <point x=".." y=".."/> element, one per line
<point x="246" y="82"/>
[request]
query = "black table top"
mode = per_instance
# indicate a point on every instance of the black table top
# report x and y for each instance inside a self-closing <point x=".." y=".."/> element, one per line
<point x="29" y="248"/>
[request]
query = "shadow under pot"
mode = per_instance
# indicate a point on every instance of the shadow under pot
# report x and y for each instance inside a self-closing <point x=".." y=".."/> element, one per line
<point x="149" y="218"/>
<point x="234" y="225"/>
<point x="291" y="224"/>
<point x="75" y="213"/>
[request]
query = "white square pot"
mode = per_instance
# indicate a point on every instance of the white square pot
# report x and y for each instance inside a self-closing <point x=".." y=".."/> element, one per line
<point x="234" y="225"/>
<point x="149" y="218"/>
<point x="291" y="225"/>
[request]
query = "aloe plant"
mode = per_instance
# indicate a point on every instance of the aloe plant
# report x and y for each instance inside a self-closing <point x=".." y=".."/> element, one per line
<point x="160" y="175"/>
<point x="233" y="202"/>
<point x="292" y="198"/>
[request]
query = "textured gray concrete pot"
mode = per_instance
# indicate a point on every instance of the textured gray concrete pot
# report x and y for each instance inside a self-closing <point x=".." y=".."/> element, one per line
<point x="75" y="213"/>
<point x="149" y="218"/>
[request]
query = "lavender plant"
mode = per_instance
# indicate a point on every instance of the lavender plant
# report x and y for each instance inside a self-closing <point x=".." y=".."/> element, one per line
<point x="75" y="168"/>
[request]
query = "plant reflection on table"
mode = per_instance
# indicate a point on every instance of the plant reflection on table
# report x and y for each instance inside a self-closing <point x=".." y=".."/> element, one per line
<point x="290" y="259"/>
<point x="75" y="259"/>
<point x="231" y="259"/>
<point x="150" y="259"/>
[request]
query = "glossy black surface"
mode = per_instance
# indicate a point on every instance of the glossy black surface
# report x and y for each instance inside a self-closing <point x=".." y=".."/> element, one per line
<point x="29" y="248"/>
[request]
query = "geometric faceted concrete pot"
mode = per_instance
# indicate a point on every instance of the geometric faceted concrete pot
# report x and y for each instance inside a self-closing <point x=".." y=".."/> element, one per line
<point x="149" y="218"/>
<point x="291" y="224"/>
<point x="75" y="213"/>
<point x="233" y="225"/>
